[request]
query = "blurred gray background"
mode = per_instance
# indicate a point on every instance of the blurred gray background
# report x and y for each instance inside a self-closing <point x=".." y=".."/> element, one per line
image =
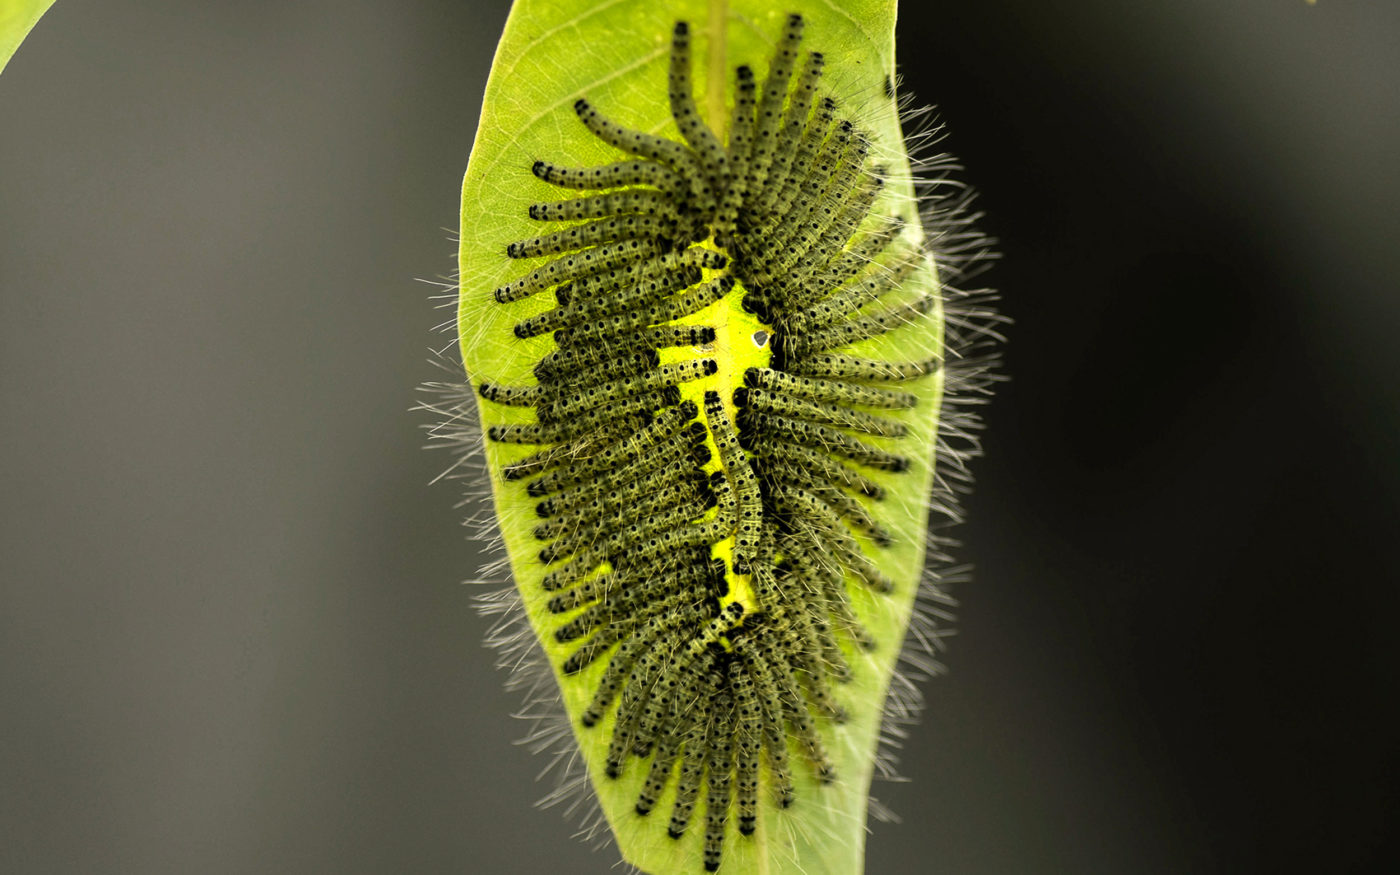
<point x="233" y="633"/>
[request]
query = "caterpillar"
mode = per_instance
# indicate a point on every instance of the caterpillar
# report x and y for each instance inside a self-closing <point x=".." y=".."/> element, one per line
<point x="711" y="378"/>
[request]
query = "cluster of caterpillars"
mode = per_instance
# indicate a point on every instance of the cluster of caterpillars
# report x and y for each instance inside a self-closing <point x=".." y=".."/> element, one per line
<point x="714" y="689"/>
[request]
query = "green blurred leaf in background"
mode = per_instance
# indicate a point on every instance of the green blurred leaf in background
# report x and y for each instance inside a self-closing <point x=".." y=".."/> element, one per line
<point x="17" y="19"/>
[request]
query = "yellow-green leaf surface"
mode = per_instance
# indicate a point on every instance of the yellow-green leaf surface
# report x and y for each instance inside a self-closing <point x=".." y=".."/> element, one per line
<point x="17" y="19"/>
<point x="616" y="55"/>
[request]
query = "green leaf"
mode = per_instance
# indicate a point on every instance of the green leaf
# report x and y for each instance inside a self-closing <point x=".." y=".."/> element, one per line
<point x="17" y="19"/>
<point x="616" y="54"/>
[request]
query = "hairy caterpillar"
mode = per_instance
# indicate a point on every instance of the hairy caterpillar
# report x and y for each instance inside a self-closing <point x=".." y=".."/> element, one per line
<point x="710" y="367"/>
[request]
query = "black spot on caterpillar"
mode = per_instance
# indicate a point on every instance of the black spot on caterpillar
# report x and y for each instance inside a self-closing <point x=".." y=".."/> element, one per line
<point x="714" y="522"/>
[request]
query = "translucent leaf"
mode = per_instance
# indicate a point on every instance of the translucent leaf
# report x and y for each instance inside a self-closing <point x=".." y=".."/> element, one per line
<point x="616" y="56"/>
